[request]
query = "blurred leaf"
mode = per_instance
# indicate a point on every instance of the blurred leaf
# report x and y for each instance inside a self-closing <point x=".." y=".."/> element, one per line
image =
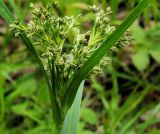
<point x="129" y="123"/>
<point x="148" y="41"/>
<point x="141" y="59"/>
<point x="87" y="132"/>
<point x="15" y="7"/>
<point x="5" y="13"/>
<point x="39" y="130"/>
<point x="154" y="132"/>
<point x="151" y="119"/>
<point x="155" y="52"/>
<point x="27" y="88"/>
<point x="20" y="109"/>
<point x="81" y="126"/>
<point x="43" y="94"/>
<point x="138" y="34"/>
<point x="130" y="132"/>
<point x="24" y="89"/>
<point x="129" y="106"/>
<point x="24" y="109"/>
<point x="114" y="6"/>
<point x="6" y="68"/>
<point x="89" y="116"/>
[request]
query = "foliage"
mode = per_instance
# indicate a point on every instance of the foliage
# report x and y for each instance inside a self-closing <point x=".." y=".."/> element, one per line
<point x="34" y="126"/>
<point x="146" y="44"/>
<point x="124" y="106"/>
<point x="17" y="115"/>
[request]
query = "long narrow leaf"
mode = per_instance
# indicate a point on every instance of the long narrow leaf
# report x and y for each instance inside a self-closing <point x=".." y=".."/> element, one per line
<point x="5" y="13"/>
<point x="100" y="52"/>
<point x="114" y="5"/>
<point x="15" y="8"/>
<point x="72" y="117"/>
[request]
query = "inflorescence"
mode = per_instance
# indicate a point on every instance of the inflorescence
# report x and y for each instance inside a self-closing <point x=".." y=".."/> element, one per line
<point x="59" y="40"/>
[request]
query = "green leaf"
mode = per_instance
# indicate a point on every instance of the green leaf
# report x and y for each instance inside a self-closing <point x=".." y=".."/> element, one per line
<point x="81" y="126"/>
<point x="24" y="89"/>
<point x="132" y="102"/>
<point x="141" y="59"/>
<point x="71" y="120"/>
<point x="39" y="130"/>
<point x="42" y="94"/>
<point x="15" y="7"/>
<point x="138" y="34"/>
<point x="129" y="123"/>
<point x="87" y="132"/>
<point x="151" y="119"/>
<point x="5" y="13"/>
<point x="114" y="5"/>
<point x="24" y="110"/>
<point x="89" y="116"/>
<point x="20" y="109"/>
<point x="154" y="132"/>
<point x="155" y="53"/>
<point x="100" y="52"/>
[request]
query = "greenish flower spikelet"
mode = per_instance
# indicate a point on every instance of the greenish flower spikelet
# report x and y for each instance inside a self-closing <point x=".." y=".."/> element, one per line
<point x="60" y="40"/>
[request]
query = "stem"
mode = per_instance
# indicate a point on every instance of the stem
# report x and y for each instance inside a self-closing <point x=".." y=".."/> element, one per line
<point x="2" y="104"/>
<point x="2" y="101"/>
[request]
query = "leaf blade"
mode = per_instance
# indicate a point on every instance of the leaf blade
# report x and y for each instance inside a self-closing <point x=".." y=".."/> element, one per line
<point x="5" y="13"/>
<point x="72" y="117"/>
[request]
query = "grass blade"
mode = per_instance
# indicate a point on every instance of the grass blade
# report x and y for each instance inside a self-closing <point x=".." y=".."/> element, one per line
<point x="5" y="13"/>
<point x="152" y="119"/>
<point x="15" y="8"/>
<point x="100" y="52"/>
<point x="114" y="6"/>
<point x="130" y="123"/>
<point x="72" y="117"/>
<point x="127" y="107"/>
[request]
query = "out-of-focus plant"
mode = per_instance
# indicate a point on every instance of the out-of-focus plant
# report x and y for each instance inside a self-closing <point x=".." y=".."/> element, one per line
<point x="122" y="115"/>
<point x="124" y="107"/>
<point x="150" y="14"/>
<point x="13" y="116"/>
<point x="147" y="43"/>
<point x="78" y="58"/>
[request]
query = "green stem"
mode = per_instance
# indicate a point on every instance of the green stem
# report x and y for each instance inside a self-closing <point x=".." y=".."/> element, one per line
<point x="2" y="102"/>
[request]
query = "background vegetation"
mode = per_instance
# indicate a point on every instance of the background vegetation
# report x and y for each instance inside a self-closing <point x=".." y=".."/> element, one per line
<point x="124" y="100"/>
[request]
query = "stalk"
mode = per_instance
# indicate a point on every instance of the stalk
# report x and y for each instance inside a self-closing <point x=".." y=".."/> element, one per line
<point x="2" y="101"/>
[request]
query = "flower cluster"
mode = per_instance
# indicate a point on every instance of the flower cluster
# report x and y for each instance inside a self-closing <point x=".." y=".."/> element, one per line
<point x="60" y="40"/>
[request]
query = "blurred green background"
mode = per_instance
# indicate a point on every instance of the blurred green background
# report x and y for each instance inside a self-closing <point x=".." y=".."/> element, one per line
<point x="124" y="100"/>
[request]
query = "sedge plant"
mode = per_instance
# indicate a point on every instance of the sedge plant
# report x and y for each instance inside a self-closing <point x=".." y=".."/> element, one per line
<point x="67" y="56"/>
